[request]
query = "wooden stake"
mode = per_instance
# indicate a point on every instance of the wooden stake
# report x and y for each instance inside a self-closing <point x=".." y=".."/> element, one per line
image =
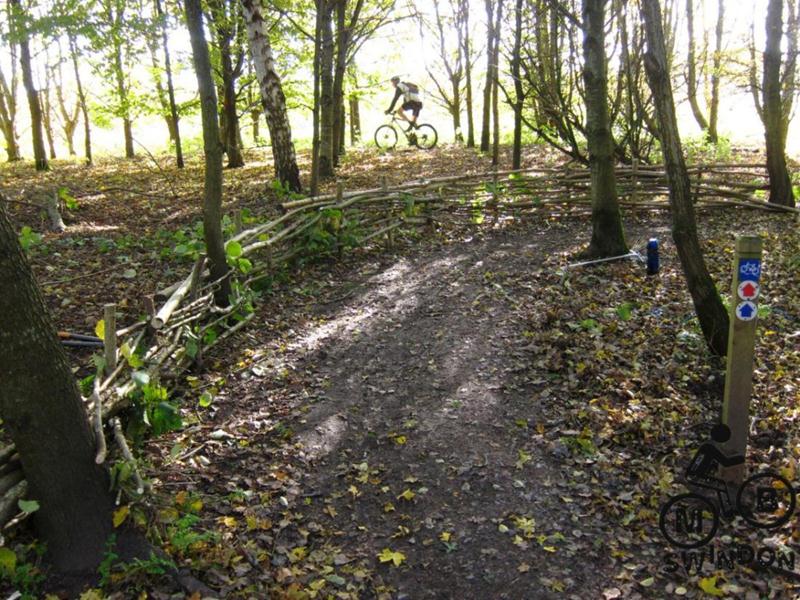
<point x="110" y="336"/>
<point x="238" y="222"/>
<point x="741" y="342"/>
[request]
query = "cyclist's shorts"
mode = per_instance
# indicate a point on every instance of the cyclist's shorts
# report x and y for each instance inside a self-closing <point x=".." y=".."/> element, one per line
<point x="413" y="106"/>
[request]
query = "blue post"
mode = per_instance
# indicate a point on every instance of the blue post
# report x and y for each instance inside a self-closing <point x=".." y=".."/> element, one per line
<point x="652" y="256"/>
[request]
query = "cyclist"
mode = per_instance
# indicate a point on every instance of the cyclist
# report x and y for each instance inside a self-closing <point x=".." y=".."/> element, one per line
<point x="411" y="101"/>
<point x="702" y="469"/>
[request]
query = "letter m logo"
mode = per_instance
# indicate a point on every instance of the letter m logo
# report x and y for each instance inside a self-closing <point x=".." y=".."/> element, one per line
<point x="689" y="521"/>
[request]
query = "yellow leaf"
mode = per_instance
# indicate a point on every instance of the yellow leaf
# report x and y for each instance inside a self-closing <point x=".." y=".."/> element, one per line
<point x="120" y="515"/>
<point x="388" y="507"/>
<point x="400" y="440"/>
<point x="354" y="491"/>
<point x="317" y="585"/>
<point x="298" y="553"/>
<point x="709" y="586"/>
<point x="524" y="568"/>
<point x="407" y="495"/>
<point x="100" y="329"/>
<point x="228" y="522"/>
<point x="331" y="511"/>
<point x="445" y="536"/>
<point x="549" y="548"/>
<point x="388" y="555"/>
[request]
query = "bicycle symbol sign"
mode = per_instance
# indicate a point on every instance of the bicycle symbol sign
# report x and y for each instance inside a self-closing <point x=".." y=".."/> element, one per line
<point x="749" y="269"/>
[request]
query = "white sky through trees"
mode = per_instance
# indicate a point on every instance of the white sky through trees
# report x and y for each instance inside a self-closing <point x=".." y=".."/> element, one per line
<point x="399" y="49"/>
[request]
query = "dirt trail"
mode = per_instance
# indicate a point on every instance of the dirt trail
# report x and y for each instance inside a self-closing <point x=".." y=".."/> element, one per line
<point x="419" y="383"/>
<point x="422" y="390"/>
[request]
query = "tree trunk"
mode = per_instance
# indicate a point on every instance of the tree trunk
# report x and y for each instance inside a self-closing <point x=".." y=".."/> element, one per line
<point x="39" y="153"/>
<point x="455" y="111"/>
<point x="212" y="204"/>
<point x="467" y="52"/>
<point x="122" y="94"/>
<point x="43" y="412"/>
<point x="708" y="305"/>
<point x="342" y="45"/>
<point x="230" y="114"/>
<point x="780" y="184"/>
<point x="355" y="120"/>
<point x="608" y="236"/>
<point x="716" y="68"/>
<point x="173" y="107"/>
<point x="487" y="87"/>
<point x="69" y="118"/>
<point x="496" y="87"/>
<point x="519" y="94"/>
<point x="272" y="97"/>
<point x="315" y="109"/>
<point x="691" y="66"/>
<point x="8" y="110"/>
<point x="342" y="121"/>
<point x="327" y="108"/>
<point x="87" y="128"/>
<point x="47" y="121"/>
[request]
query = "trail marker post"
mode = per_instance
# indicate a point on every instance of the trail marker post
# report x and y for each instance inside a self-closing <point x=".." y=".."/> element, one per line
<point x="745" y="289"/>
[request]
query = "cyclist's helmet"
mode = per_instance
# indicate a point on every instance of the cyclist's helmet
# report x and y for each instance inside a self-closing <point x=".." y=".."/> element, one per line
<point x="396" y="79"/>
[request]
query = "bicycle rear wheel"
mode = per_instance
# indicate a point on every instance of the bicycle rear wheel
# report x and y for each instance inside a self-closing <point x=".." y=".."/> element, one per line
<point x="426" y="136"/>
<point x="386" y="137"/>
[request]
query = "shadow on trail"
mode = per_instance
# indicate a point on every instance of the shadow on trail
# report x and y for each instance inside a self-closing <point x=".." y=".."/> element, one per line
<point x="421" y="434"/>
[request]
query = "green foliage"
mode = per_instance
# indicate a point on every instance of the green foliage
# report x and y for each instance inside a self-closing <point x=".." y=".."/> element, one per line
<point x="28" y="238"/>
<point x="21" y="569"/>
<point x="283" y="192"/>
<point x="134" y="574"/>
<point x="700" y="148"/>
<point x="189" y="243"/>
<point x="233" y="253"/>
<point x="69" y="201"/>
<point x="151" y="408"/>
<point x="333" y="232"/>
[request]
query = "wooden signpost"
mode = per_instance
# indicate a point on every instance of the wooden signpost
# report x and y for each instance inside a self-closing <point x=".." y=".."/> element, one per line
<point x="745" y="290"/>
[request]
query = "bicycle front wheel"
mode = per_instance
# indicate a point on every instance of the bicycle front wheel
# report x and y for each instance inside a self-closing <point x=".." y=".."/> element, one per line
<point x="385" y="137"/>
<point x="766" y="500"/>
<point x="426" y="136"/>
<point x="688" y="520"/>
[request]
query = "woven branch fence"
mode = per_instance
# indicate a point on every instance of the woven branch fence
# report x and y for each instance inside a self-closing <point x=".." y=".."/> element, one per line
<point x="173" y="336"/>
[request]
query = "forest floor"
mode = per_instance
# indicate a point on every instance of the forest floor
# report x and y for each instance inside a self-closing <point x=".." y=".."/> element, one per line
<point x="459" y="417"/>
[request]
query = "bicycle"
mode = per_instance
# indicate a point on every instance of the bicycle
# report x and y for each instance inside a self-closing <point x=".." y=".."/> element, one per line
<point x="752" y="500"/>
<point x="423" y="137"/>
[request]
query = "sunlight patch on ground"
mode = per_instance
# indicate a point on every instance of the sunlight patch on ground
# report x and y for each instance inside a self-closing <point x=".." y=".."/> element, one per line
<point x="91" y="228"/>
<point x="324" y="437"/>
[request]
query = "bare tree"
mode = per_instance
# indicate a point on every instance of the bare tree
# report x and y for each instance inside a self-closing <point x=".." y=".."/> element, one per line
<point x="780" y="184"/>
<point x="608" y="237"/>
<point x="17" y="21"/>
<point x="707" y="303"/>
<point x="272" y="96"/>
<point x="212" y="204"/>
